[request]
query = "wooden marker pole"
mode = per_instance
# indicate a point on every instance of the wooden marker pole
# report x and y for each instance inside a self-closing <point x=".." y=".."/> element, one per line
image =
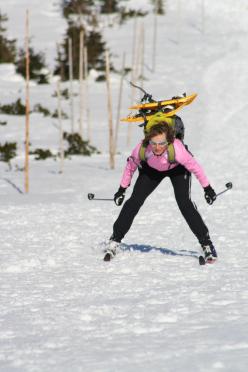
<point x="133" y="76"/>
<point x="81" y="84"/>
<point x="61" y="139"/>
<point x="87" y="107"/>
<point x="27" y="104"/>
<point x="111" y="134"/>
<point x="155" y="27"/>
<point x="142" y="54"/>
<point x="71" y="83"/>
<point x="119" y="102"/>
<point x="203" y="16"/>
<point x="134" y="47"/>
<point x="179" y="20"/>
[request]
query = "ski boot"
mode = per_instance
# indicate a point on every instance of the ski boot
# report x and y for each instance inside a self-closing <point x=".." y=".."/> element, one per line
<point x="210" y="254"/>
<point x="110" y="251"/>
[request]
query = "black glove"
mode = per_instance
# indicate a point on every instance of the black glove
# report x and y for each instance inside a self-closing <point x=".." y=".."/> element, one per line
<point x="119" y="196"/>
<point x="210" y="194"/>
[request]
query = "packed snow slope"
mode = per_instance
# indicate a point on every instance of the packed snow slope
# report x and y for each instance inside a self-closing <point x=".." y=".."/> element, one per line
<point x="153" y="308"/>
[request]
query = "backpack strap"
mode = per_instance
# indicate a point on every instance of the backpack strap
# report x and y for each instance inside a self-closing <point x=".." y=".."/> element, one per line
<point x="142" y="151"/>
<point x="170" y="152"/>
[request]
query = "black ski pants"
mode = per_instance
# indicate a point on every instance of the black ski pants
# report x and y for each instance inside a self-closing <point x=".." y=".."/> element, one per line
<point x="147" y="181"/>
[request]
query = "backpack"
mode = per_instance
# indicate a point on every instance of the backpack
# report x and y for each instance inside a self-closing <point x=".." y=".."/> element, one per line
<point x="174" y="121"/>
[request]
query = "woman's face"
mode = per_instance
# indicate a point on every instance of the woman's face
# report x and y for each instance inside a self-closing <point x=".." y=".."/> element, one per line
<point x="158" y="143"/>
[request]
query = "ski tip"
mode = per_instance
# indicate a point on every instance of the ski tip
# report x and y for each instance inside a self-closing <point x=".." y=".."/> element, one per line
<point x="107" y="257"/>
<point x="202" y="260"/>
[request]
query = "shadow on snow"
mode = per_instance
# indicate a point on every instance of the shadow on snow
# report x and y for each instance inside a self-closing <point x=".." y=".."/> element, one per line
<point x="148" y="248"/>
<point x="13" y="185"/>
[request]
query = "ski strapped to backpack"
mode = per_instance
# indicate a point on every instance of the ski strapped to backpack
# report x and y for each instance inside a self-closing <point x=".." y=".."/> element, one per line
<point x="153" y="112"/>
<point x="148" y="106"/>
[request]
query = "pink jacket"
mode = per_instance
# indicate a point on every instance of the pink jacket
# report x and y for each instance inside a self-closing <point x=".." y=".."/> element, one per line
<point x="161" y="163"/>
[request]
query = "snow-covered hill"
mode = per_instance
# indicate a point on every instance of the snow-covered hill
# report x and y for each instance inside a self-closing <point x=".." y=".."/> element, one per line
<point x="153" y="308"/>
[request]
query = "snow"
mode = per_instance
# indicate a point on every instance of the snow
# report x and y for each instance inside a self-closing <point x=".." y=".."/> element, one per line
<point x="153" y="308"/>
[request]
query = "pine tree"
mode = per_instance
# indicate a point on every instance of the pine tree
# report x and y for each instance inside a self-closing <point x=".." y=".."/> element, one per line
<point x="94" y="43"/>
<point x="8" y="152"/>
<point x="37" y="63"/>
<point x="109" y="6"/>
<point x="159" y="6"/>
<point x="70" y="7"/>
<point x="7" y="47"/>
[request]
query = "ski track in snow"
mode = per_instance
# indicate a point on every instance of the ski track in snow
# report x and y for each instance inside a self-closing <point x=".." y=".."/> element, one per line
<point x="152" y="308"/>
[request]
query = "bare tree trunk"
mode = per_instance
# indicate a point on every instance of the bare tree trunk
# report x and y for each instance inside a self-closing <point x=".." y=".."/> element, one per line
<point x="71" y="83"/>
<point x="119" y="102"/>
<point x="81" y="84"/>
<point x="111" y="136"/>
<point x="27" y="105"/>
<point x="61" y="139"/>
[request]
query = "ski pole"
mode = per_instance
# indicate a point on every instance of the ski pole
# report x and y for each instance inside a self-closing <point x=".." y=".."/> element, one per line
<point x="147" y="96"/>
<point x="228" y="187"/>
<point x="92" y="197"/>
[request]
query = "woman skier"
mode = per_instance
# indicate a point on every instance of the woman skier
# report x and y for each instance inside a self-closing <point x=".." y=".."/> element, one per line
<point x="152" y="170"/>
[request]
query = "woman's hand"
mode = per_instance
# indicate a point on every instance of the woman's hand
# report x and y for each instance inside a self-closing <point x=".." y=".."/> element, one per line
<point x="119" y="196"/>
<point x="210" y="194"/>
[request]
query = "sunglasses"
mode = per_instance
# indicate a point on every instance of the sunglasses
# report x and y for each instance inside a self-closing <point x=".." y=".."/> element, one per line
<point x="163" y="143"/>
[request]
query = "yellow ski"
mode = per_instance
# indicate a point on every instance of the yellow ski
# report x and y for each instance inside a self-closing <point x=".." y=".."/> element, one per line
<point x="181" y="102"/>
<point x="155" y="105"/>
